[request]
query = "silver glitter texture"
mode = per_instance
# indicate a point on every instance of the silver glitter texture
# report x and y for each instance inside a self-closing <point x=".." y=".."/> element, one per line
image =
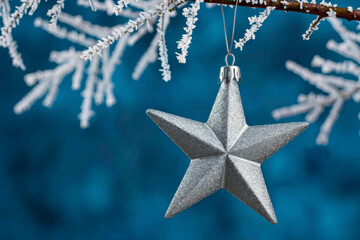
<point x="225" y="152"/>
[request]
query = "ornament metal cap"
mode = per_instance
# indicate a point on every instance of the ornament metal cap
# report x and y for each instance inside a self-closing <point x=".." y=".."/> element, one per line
<point x="228" y="73"/>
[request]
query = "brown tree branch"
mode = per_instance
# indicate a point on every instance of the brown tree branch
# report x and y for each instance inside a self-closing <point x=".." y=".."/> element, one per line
<point x="291" y="6"/>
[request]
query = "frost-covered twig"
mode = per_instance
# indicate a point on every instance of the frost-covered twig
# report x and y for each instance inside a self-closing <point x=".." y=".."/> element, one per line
<point x="148" y="57"/>
<point x="164" y="20"/>
<point x="54" y="13"/>
<point x="99" y="85"/>
<point x="69" y="61"/>
<point x="17" y="60"/>
<point x="63" y="33"/>
<point x="328" y="66"/>
<point x="88" y="93"/>
<point x="141" y="33"/>
<point x="119" y="6"/>
<point x="15" y="19"/>
<point x="48" y="81"/>
<point x="313" y="27"/>
<point x="84" y="26"/>
<point x="184" y="43"/>
<point x="151" y="54"/>
<point x="92" y="5"/>
<point x="336" y="90"/>
<point x="256" y="23"/>
<point x="108" y="67"/>
<point x="108" y="7"/>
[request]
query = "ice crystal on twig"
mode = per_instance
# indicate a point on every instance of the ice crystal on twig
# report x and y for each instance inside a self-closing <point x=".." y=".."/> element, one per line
<point x="336" y="90"/>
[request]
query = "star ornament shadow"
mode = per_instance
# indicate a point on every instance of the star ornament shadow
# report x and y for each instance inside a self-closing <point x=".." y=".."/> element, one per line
<point x="225" y="152"/>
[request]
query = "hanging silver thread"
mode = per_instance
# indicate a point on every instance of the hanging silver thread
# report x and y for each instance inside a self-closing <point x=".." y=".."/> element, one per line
<point x="229" y="50"/>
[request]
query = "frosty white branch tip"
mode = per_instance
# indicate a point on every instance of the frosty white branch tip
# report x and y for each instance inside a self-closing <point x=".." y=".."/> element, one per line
<point x="256" y="23"/>
<point x="15" y="19"/>
<point x="184" y="43"/>
<point x="336" y="90"/>
<point x="313" y="27"/>
<point x="54" y="13"/>
<point x="163" y="22"/>
<point x="119" y="6"/>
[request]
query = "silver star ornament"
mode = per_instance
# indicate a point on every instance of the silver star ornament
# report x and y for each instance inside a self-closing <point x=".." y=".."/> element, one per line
<point x="225" y="152"/>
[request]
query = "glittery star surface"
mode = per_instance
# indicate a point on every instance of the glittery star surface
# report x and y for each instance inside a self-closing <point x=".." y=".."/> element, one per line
<point x="225" y="152"/>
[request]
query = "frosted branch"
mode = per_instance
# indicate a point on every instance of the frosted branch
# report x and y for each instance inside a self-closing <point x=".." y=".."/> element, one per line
<point x="337" y="90"/>
<point x="148" y="57"/>
<point x="108" y="68"/>
<point x="48" y="81"/>
<point x="84" y="26"/>
<point x="15" y="19"/>
<point x="325" y="130"/>
<point x="136" y="36"/>
<point x="184" y="43"/>
<point x="108" y="7"/>
<point x="314" y="104"/>
<point x="92" y="5"/>
<point x="328" y="66"/>
<point x="314" y="26"/>
<point x="30" y="98"/>
<point x="63" y="33"/>
<point x="17" y="60"/>
<point x="54" y="13"/>
<point x="88" y="93"/>
<point x="119" y="6"/>
<point x="164" y="20"/>
<point x="256" y="23"/>
<point x="318" y="80"/>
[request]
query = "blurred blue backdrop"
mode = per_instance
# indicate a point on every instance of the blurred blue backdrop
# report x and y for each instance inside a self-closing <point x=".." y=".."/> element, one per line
<point x="116" y="179"/>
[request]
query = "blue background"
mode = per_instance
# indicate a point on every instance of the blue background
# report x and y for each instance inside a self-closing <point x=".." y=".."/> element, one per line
<point x="116" y="179"/>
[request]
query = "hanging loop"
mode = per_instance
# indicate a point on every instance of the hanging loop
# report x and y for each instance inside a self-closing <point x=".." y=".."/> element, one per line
<point x="226" y="59"/>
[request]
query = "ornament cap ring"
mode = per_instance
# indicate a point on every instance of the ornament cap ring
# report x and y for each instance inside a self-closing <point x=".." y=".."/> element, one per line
<point x="226" y="59"/>
<point x="229" y="73"/>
